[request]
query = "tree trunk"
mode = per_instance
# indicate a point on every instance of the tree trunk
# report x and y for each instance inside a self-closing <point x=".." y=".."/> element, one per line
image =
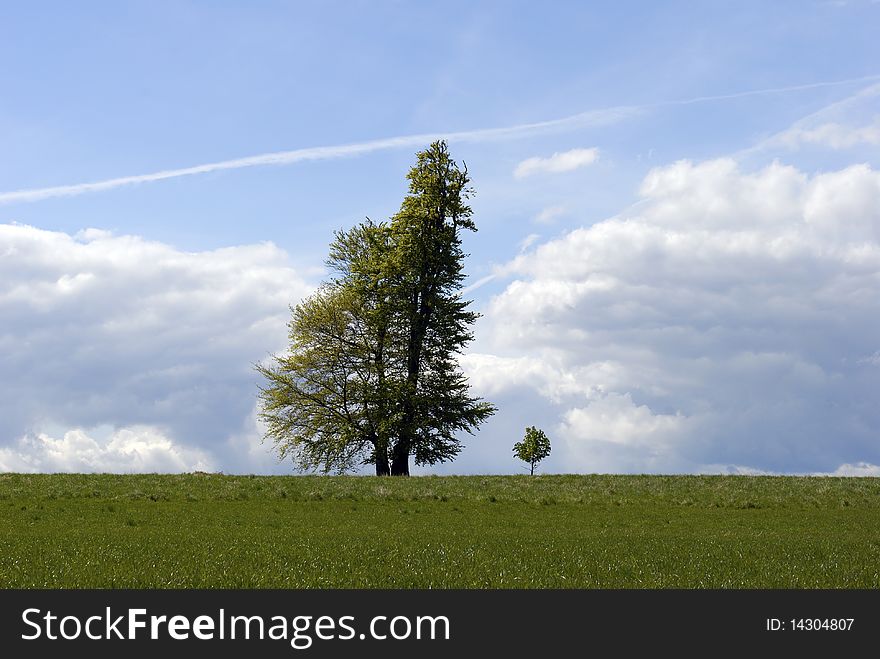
<point x="382" y="468"/>
<point x="532" y="472"/>
<point x="400" y="461"/>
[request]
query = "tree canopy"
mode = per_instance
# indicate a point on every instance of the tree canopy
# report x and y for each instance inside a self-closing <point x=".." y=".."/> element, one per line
<point x="533" y="448"/>
<point x="372" y="373"/>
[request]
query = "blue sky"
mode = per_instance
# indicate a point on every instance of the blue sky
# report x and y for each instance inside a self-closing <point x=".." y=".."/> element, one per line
<point x="100" y="90"/>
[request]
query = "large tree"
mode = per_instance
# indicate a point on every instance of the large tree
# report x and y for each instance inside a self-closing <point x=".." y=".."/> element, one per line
<point x="327" y="401"/>
<point x="372" y="374"/>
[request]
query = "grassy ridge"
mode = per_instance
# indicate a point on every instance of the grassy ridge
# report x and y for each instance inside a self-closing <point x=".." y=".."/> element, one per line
<point x="200" y="530"/>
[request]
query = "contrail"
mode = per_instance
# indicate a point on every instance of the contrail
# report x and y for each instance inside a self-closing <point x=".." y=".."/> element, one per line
<point x="593" y="117"/>
<point x="809" y="120"/>
<point x="772" y="90"/>
<point x="590" y="118"/>
<point x="478" y="284"/>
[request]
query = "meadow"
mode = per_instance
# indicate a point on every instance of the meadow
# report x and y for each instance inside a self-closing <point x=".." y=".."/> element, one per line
<point x="219" y="531"/>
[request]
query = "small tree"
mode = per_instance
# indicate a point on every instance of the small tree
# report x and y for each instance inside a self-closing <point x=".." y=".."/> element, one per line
<point x="534" y="447"/>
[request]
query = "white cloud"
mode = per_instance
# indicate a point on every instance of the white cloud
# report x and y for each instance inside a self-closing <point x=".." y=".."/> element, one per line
<point x="559" y="162"/>
<point x="127" y="450"/>
<point x="726" y="323"/>
<point x="528" y="241"/>
<point x="125" y="332"/>
<point x="548" y="374"/>
<point x="873" y="359"/>
<point x="725" y="320"/>
<point x="846" y="123"/>
<point x="615" y="418"/>
<point x="549" y="214"/>
<point x="738" y="470"/>
<point x="859" y="469"/>
<point x="833" y="135"/>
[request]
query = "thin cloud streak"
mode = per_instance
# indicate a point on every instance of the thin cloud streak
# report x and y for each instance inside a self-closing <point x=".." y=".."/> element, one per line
<point x="590" y="118"/>
<point x="478" y="284"/>
<point x="776" y="90"/>
<point x="805" y="122"/>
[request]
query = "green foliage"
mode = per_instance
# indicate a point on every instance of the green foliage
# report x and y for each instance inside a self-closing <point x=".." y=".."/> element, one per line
<point x="214" y="531"/>
<point x="372" y="373"/>
<point x="327" y="401"/>
<point x="533" y="448"/>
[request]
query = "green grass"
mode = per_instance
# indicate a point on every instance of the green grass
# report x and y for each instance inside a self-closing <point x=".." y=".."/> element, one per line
<point x="213" y="531"/>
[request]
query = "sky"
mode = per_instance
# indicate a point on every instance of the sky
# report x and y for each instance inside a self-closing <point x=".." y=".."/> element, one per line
<point x="678" y="255"/>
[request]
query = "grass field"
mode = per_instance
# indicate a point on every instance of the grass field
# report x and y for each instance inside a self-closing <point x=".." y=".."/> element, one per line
<point x="207" y="531"/>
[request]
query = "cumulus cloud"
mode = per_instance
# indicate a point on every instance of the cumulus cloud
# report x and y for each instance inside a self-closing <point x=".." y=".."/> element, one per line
<point x="134" y="450"/>
<point x="727" y="323"/>
<point x="119" y="331"/>
<point x="615" y="418"/>
<point x="731" y="318"/>
<point x="559" y="162"/>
